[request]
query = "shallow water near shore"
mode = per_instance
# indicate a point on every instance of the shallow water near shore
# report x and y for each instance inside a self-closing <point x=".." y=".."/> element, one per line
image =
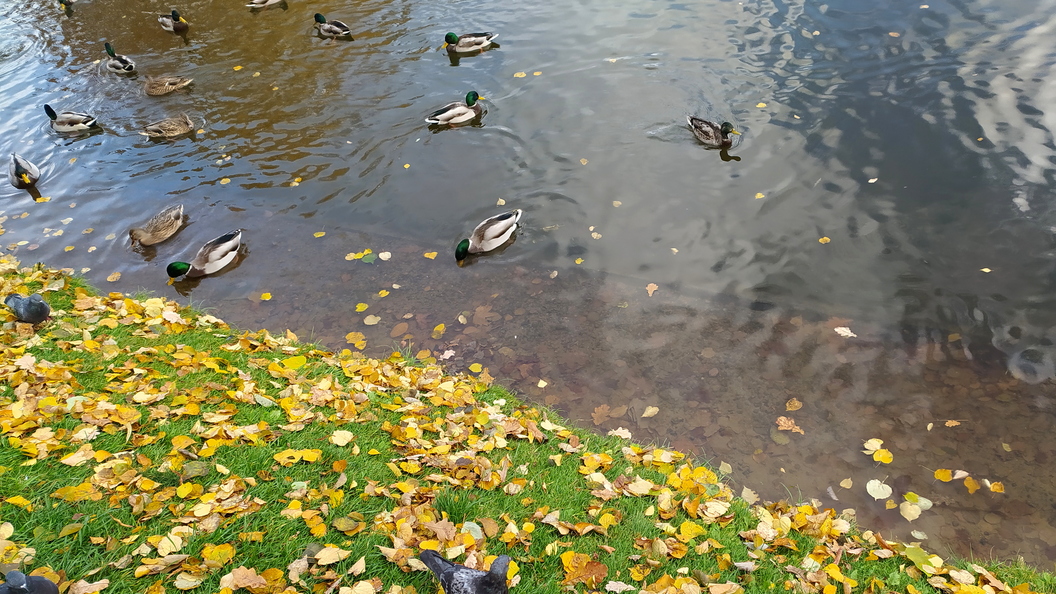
<point x="914" y="138"/>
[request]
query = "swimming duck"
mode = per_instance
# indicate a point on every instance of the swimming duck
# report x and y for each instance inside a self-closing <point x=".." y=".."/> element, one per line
<point x="263" y="3"/>
<point x="117" y="63"/>
<point x="458" y="112"/>
<point x="459" y="579"/>
<point x="69" y="121"/>
<point x="489" y="234"/>
<point x="331" y="29"/>
<point x="211" y="258"/>
<point x="174" y="22"/>
<point x="66" y="5"/>
<point x="169" y="127"/>
<point x="159" y="228"/>
<point x="163" y="85"/>
<point x="23" y="173"/>
<point x="469" y="42"/>
<point x="712" y="134"/>
<point x="28" y="310"/>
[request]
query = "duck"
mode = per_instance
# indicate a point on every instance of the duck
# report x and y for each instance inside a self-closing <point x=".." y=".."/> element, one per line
<point x="20" y="583"/>
<point x="458" y="112"/>
<point x="69" y="121"/>
<point x="331" y="29"/>
<point x="174" y="22"/>
<point x="711" y="134"/>
<point x="489" y="234"/>
<point x="263" y="3"/>
<point x="117" y="63"/>
<point x="163" y="85"/>
<point x="469" y="42"/>
<point x="459" y="579"/>
<point x="23" y="173"/>
<point x="66" y="5"/>
<point x="28" y="310"/>
<point x="169" y="127"/>
<point x="211" y="258"/>
<point x="159" y="228"/>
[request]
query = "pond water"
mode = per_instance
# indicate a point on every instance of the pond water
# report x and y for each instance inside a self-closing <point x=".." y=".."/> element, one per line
<point x="894" y="177"/>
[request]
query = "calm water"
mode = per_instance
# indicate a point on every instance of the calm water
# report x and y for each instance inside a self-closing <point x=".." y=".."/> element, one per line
<point x="915" y="137"/>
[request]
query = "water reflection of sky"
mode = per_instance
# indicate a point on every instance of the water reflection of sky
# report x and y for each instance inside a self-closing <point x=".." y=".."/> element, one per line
<point x="915" y="137"/>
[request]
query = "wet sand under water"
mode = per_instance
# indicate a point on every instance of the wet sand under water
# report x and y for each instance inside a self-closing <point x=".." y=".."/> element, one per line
<point x="601" y="350"/>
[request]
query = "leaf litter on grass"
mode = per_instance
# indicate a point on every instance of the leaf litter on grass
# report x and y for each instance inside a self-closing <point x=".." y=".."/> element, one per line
<point x="152" y="448"/>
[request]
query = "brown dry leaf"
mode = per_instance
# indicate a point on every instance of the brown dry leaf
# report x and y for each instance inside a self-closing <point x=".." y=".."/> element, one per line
<point x="793" y="405"/>
<point x="83" y="587"/>
<point x="331" y="555"/>
<point x="952" y="423"/>
<point x="651" y="288"/>
<point x="443" y="529"/>
<point x="788" y="424"/>
<point x="580" y="568"/>
<point x="358" y="567"/>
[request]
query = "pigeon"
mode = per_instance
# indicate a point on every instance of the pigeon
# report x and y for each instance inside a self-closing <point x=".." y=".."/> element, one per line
<point x="459" y="579"/>
<point x="20" y="583"/>
<point x="30" y="310"/>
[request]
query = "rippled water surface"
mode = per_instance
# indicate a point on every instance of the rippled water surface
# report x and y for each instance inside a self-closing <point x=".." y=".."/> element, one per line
<point x="914" y="140"/>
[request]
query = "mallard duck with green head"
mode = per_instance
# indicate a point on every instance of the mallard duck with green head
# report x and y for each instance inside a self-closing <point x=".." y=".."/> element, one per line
<point x="118" y="63"/>
<point x="468" y="42"/>
<point x="459" y="111"/>
<point x="174" y="22"/>
<point x="159" y="228"/>
<point x="490" y="234"/>
<point x="169" y="127"/>
<point x="711" y="134"/>
<point x="332" y="29"/>
<point x="163" y="85"/>
<point x="23" y="173"/>
<point x="264" y="3"/>
<point x="69" y="121"/>
<point x="211" y="258"/>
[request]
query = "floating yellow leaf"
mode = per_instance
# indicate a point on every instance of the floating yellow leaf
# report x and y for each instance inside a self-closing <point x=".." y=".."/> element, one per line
<point x="883" y="456"/>
<point x="536" y="73"/>
<point x="997" y="487"/>
<point x="360" y="307"/>
<point x="475" y="368"/>
<point x="519" y="75"/>
<point x="430" y="255"/>
<point x="68" y="248"/>
<point x="847" y="483"/>
<point x="824" y="240"/>
<point x="579" y="260"/>
<point x="265" y="296"/>
<point x="759" y="195"/>
<point x="382" y="293"/>
<point x="583" y="161"/>
<point x="406" y="165"/>
<point x="793" y="405"/>
<point x="760" y="105"/>
<point x="438" y="331"/>
<point x="225" y="181"/>
<point x="113" y="277"/>
<point x="944" y="474"/>
<point x="319" y="233"/>
<point x="43" y="199"/>
<point x="971" y="484"/>
<point x="237" y="68"/>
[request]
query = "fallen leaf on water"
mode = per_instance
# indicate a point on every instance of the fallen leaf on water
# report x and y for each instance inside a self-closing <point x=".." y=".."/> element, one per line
<point x="788" y="424"/>
<point x="894" y="34"/>
<point x="793" y="405"/>
<point x="847" y="483"/>
<point x="519" y="75"/>
<point x="985" y="270"/>
<point x="877" y="489"/>
<point x="596" y="235"/>
<point x="616" y="203"/>
<point x="650" y="411"/>
<point x="237" y="68"/>
<point x="651" y="288"/>
<point x="909" y="510"/>
<point x="225" y="181"/>
<point x="384" y="256"/>
<point x="997" y="487"/>
<point x="430" y="255"/>
<point x="971" y="484"/>
<point x="43" y="199"/>
<point x="674" y="250"/>
<point x="371" y="320"/>
<point x="113" y="277"/>
<point x="760" y="105"/>
<point x="918" y="534"/>
<point x="356" y="339"/>
<point x="476" y="367"/>
<point x="68" y="248"/>
<point x="749" y="495"/>
<point x="759" y="195"/>
<point x="500" y="202"/>
<point x="579" y="260"/>
<point x="406" y="165"/>
<point x="319" y="233"/>
<point x="542" y="383"/>
<point x="872" y="180"/>
<point x="824" y="240"/>
<point x="536" y="73"/>
<point x="361" y="307"/>
<point x="584" y="161"/>
<point x="845" y="332"/>
<point x="952" y="423"/>
<point x="438" y="331"/>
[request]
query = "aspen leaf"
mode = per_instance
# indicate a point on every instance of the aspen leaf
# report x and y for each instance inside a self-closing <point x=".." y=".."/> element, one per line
<point x="877" y="489"/>
<point x="331" y="555"/>
<point x="341" y="437"/>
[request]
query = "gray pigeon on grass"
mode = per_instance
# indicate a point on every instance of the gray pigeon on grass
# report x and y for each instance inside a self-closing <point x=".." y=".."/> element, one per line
<point x="20" y="583"/>
<point x="459" y="579"/>
<point x="31" y="310"/>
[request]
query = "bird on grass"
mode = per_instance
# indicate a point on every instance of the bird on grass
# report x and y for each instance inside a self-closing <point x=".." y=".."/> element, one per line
<point x="169" y="127"/>
<point x="23" y="173"/>
<point x="489" y="234"/>
<point x="174" y="22"/>
<point x="159" y="228"/>
<point x="467" y="43"/>
<point x="118" y="63"/>
<point x="163" y="85"/>
<point x="458" y="112"/>
<point x="29" y="310"/>
<point x="459" y="579"/>
<point x="211" y="258"/>
<point x="332" y="29"/>
<point x="711" y="134"/>
<point x="69" y="121"/>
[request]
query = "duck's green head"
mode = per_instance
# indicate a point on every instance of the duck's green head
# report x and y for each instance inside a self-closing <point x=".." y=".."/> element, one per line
<point x="176" y="18"/>
<point x="320" y="18"/>
<point x="472" y="97"/>
<point x="109" y="50"/>
<point x="451" y="39"/>
<point x="51" y="112"/>
<point x="177" y="269"/>
<point x="462" y="251"/>
<point x="727" y="129"/>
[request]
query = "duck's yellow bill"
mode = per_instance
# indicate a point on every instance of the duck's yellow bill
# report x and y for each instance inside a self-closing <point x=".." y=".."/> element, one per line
<point x="183" y="20"/>
<point x="735" y="132"/>
<point x="25" y="178"/>
<point x="444" y="46"/>
<point x="481" y="98"/>
<point x="171" y="281"/>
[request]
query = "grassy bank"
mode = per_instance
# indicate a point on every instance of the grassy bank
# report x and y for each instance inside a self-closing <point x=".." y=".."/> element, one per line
<point x="152" y="448"/>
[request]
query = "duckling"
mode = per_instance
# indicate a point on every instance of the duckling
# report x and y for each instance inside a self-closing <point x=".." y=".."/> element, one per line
<point x="163" y="85"/>
<point x="712" y="134"/>
<point x="169" y="127"/>
<point x="159" y="228"/>
<point x="69" y="121"/>
<point x="28" y="310"/>
<point x="117" y="63"/>
<point x="174" y="22"/>
<point x="467" y="43"/>
<point x="23" y="173"/>
<point x="489" y="234"/>
<point x="332" y="29"/>
<point x="458" y="112"/>
<point x="211" y="258"/>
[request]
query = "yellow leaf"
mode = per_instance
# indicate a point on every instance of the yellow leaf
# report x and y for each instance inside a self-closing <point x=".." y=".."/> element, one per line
<point x="265" y="296"/>
<point x="185" y="489"/>
<point x="430" y="255"/>
<point x="69" y="529"/>
<point x="438" y="331"/>
<point x="237" y="68"/>
<point x="997" y="487"/>
<point x="650" y="411"/>
<point x="824" y="240"/>
<point x="68" y="248"/>
<point x="361" y="307"/>
<point x="406" y="165"/>
<point x="943" y="474"/>
<point x="537" y="73"/>
<point x="519" y="75"/>
<point x="579" y="260"/>
<point x="319" y="233"/>
<point x="759" y="195"/>
<point x="382" y="293"/>
<point x="295" y="362"/>
<point x="225" y="181"/>
<point x="475" y="368"/>
<point x="113" y="277"/>
<point x="971" y="484"/>
<point x="760" y="105"/>
<point x="883" y="456"/>
<point x="583" y="161"/>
